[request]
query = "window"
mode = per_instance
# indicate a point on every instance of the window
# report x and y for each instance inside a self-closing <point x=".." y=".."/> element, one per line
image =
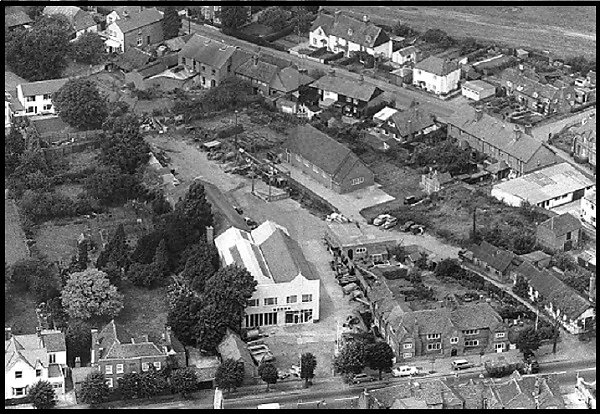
<point x="48" y="107"/>
<point x="30" y="99"/>
<point x="360" y="250"/>
<point x="148" y="39"/>
<point x="356" y="181"/>
<point x="213" y="83"/>
<point x="119" y="368"/>
<point x="52" y="358"/>
<point x="253" y="302"/>
<point x="203" y="68"/>
<point x="500" y="334"/>
<point x="471" y="332"/>
<point x="434" y="347"/>
<point x="407" y="346"/>
<point x="18" y="374"/>
<point x="46" y="96"/>
<point x="108" y="369"/>
<point x="203" y="80"/>
<point x="145" y="366"/>
<point x="38" y="372"/>
<point x="454" y="340"/>
<point x="472" y="342"/>
<point x="307" y="298"/>
<point x="292" y="299"/>
<point x="109" y="382"/>
<point x="31" y="109"/>
<point x="214" y="72"/>
<point x="407" y="355"/>
<point x="18" y="391"/>
<point x="270" y="301"/>
<point x="157" y="365"/>
<point x="501" y="346"/>
<point x="433" y="336"/>
<point x="569" y="235"/>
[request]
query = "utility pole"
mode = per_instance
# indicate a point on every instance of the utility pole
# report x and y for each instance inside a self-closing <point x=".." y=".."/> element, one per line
<point x="474" y="224"/>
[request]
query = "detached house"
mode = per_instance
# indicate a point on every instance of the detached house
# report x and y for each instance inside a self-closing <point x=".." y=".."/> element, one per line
<point x="121" y="12"/>
<point x="351" y="96"/>
<point x="498" y="262"/>
<point x="409" y="125"/>
<point x="342" y="33"/>
<point x="36" y="97"/>
<point x="232" y="347"/>
<point x="134" y="30"/>
<point x="32" y="358"/>
<point x="82" y="21"/>
<point x="406" y="55"/>
<point x="436" y="75"/>
<point x="327" y="161"/>
<point x="560" y="233"/>
<point x="433" y="181"/>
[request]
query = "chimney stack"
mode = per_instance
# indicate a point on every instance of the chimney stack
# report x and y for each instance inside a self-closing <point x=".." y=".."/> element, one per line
<point x="94" y="345"/>
<point x="255" y="59"/>
<point x="366" y="19"/>
<point x="210" y="234"/>
<point x="478" y="114"/>
<point x="528" y="129"/>
<point x="516" y="132"/>
<point x="77" y="362"/>
<point x="168" y="335"/>
<point x="7" y="333"/>
<point x="592" y="293"/>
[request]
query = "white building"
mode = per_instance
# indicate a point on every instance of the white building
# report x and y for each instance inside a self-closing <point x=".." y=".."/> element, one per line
<point x="341" y="33"/>
<point x="121" y="12"/>
<point x="36" y="97"/>
<point x="32" y="358"/>
<point x="436" y="75"/>
<point x="547" y="188"/>
<point x="588" y="207"/>
<point x="288" y="289"/>
<point x="478" y="90"/>
<point x="405" y="55"/>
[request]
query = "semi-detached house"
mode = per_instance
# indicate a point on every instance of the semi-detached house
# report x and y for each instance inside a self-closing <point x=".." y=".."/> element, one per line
<point x="134" y="30"/>
<point x="352" y="96"/>
<point x="288" y="288"/>
<point x="436" y="75"/>
<point x="36" y="97"/>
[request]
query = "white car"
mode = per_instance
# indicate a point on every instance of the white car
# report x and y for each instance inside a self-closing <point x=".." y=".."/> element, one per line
<point x="405" y="371"/>
<point x="380" y="219"/>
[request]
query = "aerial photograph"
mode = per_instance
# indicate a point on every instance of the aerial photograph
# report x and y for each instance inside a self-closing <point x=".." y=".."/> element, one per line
<point x="299" y="205"/>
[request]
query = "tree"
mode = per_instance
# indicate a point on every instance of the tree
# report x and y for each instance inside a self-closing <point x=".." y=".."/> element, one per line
<point x="201" y="264"/>
<point x="449" y="268"/>
<point x="124" y="146"/>
<point x="80" y="104"/>
<point x="38" y="277"/>
<point x="79" y="341"/>
<point x="41" y="52"/>
<point x="42" y="395"/>
<point x="528" y="340"/>
<point x="171" y="22"/>
<point x="213" y="321"/>
<point x="89" y="294"/>
<point x="116" y="250"/>
<point x="379" y="356"/>
<point x="521" y="287"/>
<point x="150" y="383"/>
<point x="184" y="381"/>
<point x="274" y="17"/>
<point x="128" y="385"/>
<point x="114" y="273"/>
<point x="89" y="48"/>
<point x="94" y="389"/>
<point x="161" y="260"/>
<point x="302" y="19"/>
<point x="564" y="261"/>
<point x="308" y="363"/>
<point x="230" y="374"/>
<point x="351" y="359"/>
<point x="268" y="373"/>
<point x="183" y="316"/>
<point x="146" y="247"/>
<point x="401" y="29"/>
<point x="233" y="17"/>
<point x="14" y="146"/>
<point x="82" y="255"/>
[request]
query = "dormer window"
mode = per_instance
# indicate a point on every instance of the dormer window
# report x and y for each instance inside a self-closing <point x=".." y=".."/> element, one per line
<point x="368" y="38"/>
<point x="350" y="31"/>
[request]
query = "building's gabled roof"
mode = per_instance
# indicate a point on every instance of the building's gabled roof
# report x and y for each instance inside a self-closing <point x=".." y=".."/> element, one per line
<point x="177" y="43"/>
<point x="207" y="51"/>
<point x="43" y="87"/>
<point x="232" y="347"/>
<point x="11" y="80"/>
<point x="138" y="20"/>
<point x="363" y="91"/>
<point x="357" y="31"/>
<point x="33" y="349"/>
<point x="132" y="350"/>
<point x="18" y="18"/>
<point x="290" y="79"/>
<point x="411" y="121"/>
<point x="562" y="224"/>
<point x="535" y="257"/>
<point x="476" y="316"/>
<point x="324" y="21"/>
<point x="130" y="10"/>
<point x="532" y="87"/>
<point x="495" y="257"/>
<point x="479" y="86"/>
<point x="133" y="58"/>
<point x="152" y="69"/>
<point x="437" y="66"/>
<point x="80" y="19"/>
<point x="258" y="69"/>
<point x="406" y="51"/>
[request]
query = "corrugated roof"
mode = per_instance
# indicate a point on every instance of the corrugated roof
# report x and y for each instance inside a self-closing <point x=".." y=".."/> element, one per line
<point x="437" y="66"/>
<point x="363" y="91"/>
<point x="207" y="51"/>
<point x="43" y="87"/>
<point x="563" y="224"/>
<point x="137" y="20"/>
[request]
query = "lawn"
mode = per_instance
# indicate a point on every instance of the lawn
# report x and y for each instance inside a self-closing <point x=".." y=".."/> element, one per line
<point x="15" y="247"/>
<point x="145" y="310"/>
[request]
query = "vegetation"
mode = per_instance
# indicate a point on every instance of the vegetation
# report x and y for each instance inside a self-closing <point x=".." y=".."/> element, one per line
<point x="14" y="147"/>
<point x="123" y="146"/>
<point x="230" y="374"/>
<point x="94" y="389"/>
<point x="202" y="263"/>
<point x="528" y="340"/>
<point x="379" y="356"/>
<point x="268" y="373"/>
<point x="351" y="359"/>
<point x="36" y="276"/>
<point x="79" y="342"/>
<point x="438" y="37"/>
<point x="116" y="251"/>
<point x="521" y="287"/>
<point x="89" y="294"/>
<point x="184" y="381"/>
<point x="42" y="395"/>
<point x="89" y="48"/>
<point x="128" y="385"/>
<point x="233" y="17"/>
<point x="80" y="104"/>
<point x="171" y="22"/>
<point x="308" y="363"/>
<point x="275" y="17"/>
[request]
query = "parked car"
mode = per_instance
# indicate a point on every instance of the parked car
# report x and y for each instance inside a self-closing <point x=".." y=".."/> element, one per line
<point x="459" y="364"/>
<point x="405" y="371"/>
<point x="250" y="223"/>
<point x="238" y="210"/>
<point x="406" y="226"/>
<point x="282" y="374"/>
<point x="417" y="229"/>
<point x="295" y="370"/>
<point x="531" y="362"/>
<point x="411" y="200"/>
<point x="360" y="378"/>
<point x="390" y="223"/>
<point x="380" y="219"/>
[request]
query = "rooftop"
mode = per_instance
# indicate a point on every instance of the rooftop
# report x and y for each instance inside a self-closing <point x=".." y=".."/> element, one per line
<point x="138" y="20"/>
<point x="412" y="120"/>
<point x="479" y="86"/>
<point x="561" y="225"/>
<point x="207" y="51"/>
<point x="232" y="347"/>
<point x="384" y="114"/>
<point x="361" y="90"/>
<point x="350" y="235"/>
<point x="437" y="66"/>
<point x="357" y="31"/>
<point x="18" y="18"/>
<point x="495" y="257"/>
<point x="43" y="87"/>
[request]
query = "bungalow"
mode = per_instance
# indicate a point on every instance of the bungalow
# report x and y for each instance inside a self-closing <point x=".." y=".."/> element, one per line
<point x="342" y="33"/>
<point x="537" y="258"/>
<point x="432" y="182"/>
<point x="82" y="21"/>
<point x="351" y="96"/>
<point x="130" y="60"/>
<point x="436" y="75"/>
<point x="498" y="170"/>
<point x="501" y="141"/>
<point x="560" y="233"/>
<point x="405" y="56"/>
<point x="355" y="243"/>
<point x="478" y="90"/>
<point x="259" y="73"/>
<point x="588" y="207"/>
<point x="409" y="125"/>
<point x="17" y="20"/>
<point x="498" y="262"/>
<point x="141" y="77"/>
<point x="36" y="97"/>
<point x="326" y="160"/>
<point x="134" y="30"/>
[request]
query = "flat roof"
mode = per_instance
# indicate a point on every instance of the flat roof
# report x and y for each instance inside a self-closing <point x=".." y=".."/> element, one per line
<point x="385" y="113"/>
<point x="348" y="234"/>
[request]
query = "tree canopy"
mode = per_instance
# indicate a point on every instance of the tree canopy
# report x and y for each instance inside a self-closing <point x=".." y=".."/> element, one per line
<point x="275" y="17"/>
<point x="79" y="342"/>
<point x="308" y="363"/>
<point x="528" y="340"/>
<point x="89" y="48"/>
<point x="268" y="373"/>
<point x="184" y="381"/>
<point x="116" y="250"/>
<point x="94" y="389"/>
<point x="14" y="146"/>
<point x="80" y="104"/>
<point x="124" y="146"/>
<point x="379" y="356"/>
<point x="230" y="374"/>
<point x="233" y="17"/>
<point x="183" y="316"/>
<point x="42" y="395"/>
<point x="89" y="294"/>
<point x="201" y="265"/>
<point x="351" y="359"/>
<point x="38" y="277"/>
<point x="171" y="22"/>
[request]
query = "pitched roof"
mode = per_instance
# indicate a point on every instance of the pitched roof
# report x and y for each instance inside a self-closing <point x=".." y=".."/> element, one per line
<point x="476" y="316"/>
<point x="495" y="257"/>
<point x="120" y="10"/>
<point x="363" y="91"/>
<point x="405" y="51"/>
<point x="536" y="256"/>
<point x="207" y="51"/>
<point x="324" y="21"/>
<point x="152" y="68"/>
<point x="497" y="167"/>
<point x="232" y="347"/>
<point x="529" y="86"/>
<point x="290" y="79"/>
<point x="132" y="58"/>
<point x="497" y="133"/>
<point x="33" y="348"/>
<point x="437" y="66"/>
<point x="137" y="20"/>
<point x="357" y="31"/>
<point x="43" y="87"/>
<point x="256" y="68"/>
<point x="67" y="11"/>
<point x="479" y="86"/>
<point x="83" y="20"/>
<point x="177" y="43"/>
<point x="124" y="351"/>
<point x="54" y="341"/>
<point x="561" y="225"/>
<point x="11" y="80"/>
<point x="18" y="18"/>
<point x="411" y="121"/>
<point x="80" y="19"/>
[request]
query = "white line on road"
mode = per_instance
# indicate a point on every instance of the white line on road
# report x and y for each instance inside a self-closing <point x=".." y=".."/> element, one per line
<point x="310" y="402"/>
<point x="347" y="398"/>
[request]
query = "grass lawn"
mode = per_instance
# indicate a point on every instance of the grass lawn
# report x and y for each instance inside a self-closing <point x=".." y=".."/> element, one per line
<point x="22" y="318"/>
<point x="15" y="247"/>
<point x="145" y="310"/>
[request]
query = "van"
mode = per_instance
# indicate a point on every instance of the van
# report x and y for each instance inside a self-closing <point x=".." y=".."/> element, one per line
<point x="459" y="364"/>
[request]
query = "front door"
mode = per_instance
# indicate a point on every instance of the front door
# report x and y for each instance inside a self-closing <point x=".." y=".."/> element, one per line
<point x="454" y="352"/>
<point x="350" y="254"/>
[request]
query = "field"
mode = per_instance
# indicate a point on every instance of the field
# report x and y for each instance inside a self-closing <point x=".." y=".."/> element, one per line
<point x="15" y="247"/>
<point x="564" y="30"/>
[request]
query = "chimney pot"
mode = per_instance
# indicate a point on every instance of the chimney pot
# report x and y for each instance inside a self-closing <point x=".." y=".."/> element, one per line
<point x="77" y="362"/>
<point x="366" y="18"/>
<point x="210" y="235"/>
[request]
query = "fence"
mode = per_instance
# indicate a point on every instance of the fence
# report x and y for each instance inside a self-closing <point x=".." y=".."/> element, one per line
<point x="72" y="148"/>
<point x="72" y="137"/>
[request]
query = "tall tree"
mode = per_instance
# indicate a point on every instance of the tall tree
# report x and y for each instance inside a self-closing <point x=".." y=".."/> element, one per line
<point x="79" y="341"/>
<point x="351" y="359"/>
<point x="89" y="294"/>
<point x="80" y="104"/>
<point x="379" y="356"/>
<point x="128" y="385"/>
<point x="528" y="340"/>
<point x="14" y="146"/>
<point x="42" y="395"/>
<point x="38" y="277"/>
<point x="171" y="22"/>
<point x="274" y="17"/>
<point x="268" y="373"/>
<point x="183" y="316"/>
<point x="233" y="17"/>
<point x="230" y="374"/>
<point x="201" y="264"/>
<point x="161" y="260"/>
<point x="150" y="383"/>
<point x="308" y="363"/>
<point x="116" y="250"/>
<point x="184" y="381"/>
<point x="89" y="48"/>
<point x="124" y="145"/>
<point x="94" y="389"/>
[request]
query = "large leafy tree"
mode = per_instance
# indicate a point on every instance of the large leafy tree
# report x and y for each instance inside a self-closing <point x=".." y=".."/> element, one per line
<point x="40" y="53"/>
<point x="153" y="274"/>
<point x="150" y="383"/>
<point x="184" y="381"/>
<point x="146" y="247"/>
<point x="80" y="104"/>
<point x="124" y="146"/>
<point x="116" y="250"/>
<point x="89" y="294"/>
<point x="42" y="395"/>
<point x="308" y="363"/>
<point x="268" y="373"/>
<point x="128" y="385"/>
<point x="183" y="316"/>
<point x="79" y="341"/>
<point x="38" y="277"/>
<point x="230" y="374"/>
<point x="379" y="356"/>
<point x="202" y="263"/>
<point x="528" y="340"/>
<point x="275" y="17"/>
<point x="351" y="359"/>
<point x="233" y="17"/>
<point x="94" y="389"/>
<point x="89" y="48"/>
<point x="14" y="146"/>
<point x="171" y="22"/>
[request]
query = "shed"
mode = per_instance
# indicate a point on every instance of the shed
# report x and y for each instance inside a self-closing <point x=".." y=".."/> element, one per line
<point x="212" y="144"/>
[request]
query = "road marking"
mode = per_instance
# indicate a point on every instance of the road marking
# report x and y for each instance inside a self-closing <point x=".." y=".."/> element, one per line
<point x="347" y="398"/>
<point x="310" y="402"/>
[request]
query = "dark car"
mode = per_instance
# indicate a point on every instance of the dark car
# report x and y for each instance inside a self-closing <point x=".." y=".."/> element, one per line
<point x="411" y="200"/>
<point x="238" y="210"/>
<point x="533" y="366"/>
<point x="360" y="378"/>
<point x="250" y="223"/>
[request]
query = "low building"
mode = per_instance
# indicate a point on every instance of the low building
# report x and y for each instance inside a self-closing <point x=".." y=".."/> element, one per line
<point x="17" y="20"/>
<point x="540" y="392"/>
<point x="498" y="170"/>
<point x="140" y="77"/>
<point x="115" y="352"/>
<point x="356" y="243"/>
<point x="432" y="182"/>
<point x="426" y="393"/>
<point x="405" y="56"/>
<point x="559" y="233"/>
<point x="31" y="358"/>
<point x="134" y="30"/>
<point x="498" y="262"/>
<point x="584" y="141"/>
<point x="588" y="207"/>
<point x="288" y="287"/>
<point x="134" y="58"/>
<point x="547" y="188"/>
<point x="232" y="347"/>
<point x="326" y="160"/>
<point x="409" y="125"/>
<point x="82" y="21"/>
<point x="478" y="90"/>
<point x="36" y="97"/>
<point x="436" y="75"/>
<point x="204" y="366"/>
<point x="501" y="141"/>
<point x="537" y="258"/>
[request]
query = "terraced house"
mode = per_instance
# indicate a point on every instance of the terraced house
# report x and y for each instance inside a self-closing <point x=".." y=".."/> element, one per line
<point x="350" y="96"/>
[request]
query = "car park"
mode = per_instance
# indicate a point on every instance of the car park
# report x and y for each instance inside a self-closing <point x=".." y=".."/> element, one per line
<point x="405" y="371"/>
<point x="360" y="378"/>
